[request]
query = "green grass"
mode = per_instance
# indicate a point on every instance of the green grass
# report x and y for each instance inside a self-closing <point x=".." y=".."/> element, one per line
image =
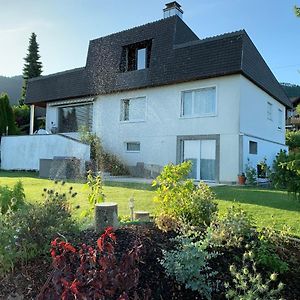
<point x="261" y="203"/>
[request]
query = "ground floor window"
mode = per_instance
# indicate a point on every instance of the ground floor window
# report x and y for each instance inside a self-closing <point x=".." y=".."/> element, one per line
<point x="133" y="146"/>
<point x="73" y="118"/>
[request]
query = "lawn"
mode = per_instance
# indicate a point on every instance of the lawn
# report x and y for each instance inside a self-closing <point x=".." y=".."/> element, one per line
<point x="265" y="205"/>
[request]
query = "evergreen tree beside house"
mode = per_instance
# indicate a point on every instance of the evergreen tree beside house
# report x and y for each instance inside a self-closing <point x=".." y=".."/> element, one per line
<point x="33" y="66"/>
<point x="7" y="119"/>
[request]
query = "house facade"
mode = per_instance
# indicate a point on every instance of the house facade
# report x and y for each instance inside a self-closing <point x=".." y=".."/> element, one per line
<point x="157" y="94"/>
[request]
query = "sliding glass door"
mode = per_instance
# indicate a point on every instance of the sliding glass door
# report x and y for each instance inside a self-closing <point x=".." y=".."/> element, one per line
<point x="202" y="154"/>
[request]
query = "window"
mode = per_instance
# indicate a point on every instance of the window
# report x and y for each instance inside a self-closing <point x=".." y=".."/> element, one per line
<point x="280" y="118"/>
<point x="133" y="146"/>
<point x="269" y="111"/>
<point x="136" y="56"/>
<point x="73" y="118"/>
<point x="252" y="147"/>
<point x="133" y="109"/>
<point x="200" y="102"/>
<point x="141" y="59"/>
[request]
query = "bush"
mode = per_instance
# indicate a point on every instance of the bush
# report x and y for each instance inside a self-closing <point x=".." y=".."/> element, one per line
<point x="22" y="116"/>
<point x="189" y="264"/>
<point x="292" y="139"/>
<point x="286" y="174"/>
<point x="102" y="160"/>
<point x="7" y="118"/>
<point x="92" y="273"/>
<point x="251" y="174"/>
<point x="249" y="284"/>
<point x="179" y="198"/>
<point x="11" y="199"/>
<point x="234" y="229"/>
<point x="27" y="232"/>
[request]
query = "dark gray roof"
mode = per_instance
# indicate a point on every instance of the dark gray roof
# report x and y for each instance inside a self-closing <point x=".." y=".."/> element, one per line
<point x="177" y="55"/>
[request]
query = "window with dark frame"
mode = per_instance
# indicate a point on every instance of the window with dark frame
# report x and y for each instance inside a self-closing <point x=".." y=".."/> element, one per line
<point x="133" y="146"/>
<point x="252" y="147"/>
<point x="136" y="56"/>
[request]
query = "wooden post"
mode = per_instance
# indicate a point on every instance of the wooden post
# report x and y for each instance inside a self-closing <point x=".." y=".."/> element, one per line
<point x="31" y="119"/>
<point x="106" y="214"/>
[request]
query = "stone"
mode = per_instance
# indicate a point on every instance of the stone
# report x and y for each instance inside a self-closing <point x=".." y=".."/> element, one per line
<point x="143" y="216"/>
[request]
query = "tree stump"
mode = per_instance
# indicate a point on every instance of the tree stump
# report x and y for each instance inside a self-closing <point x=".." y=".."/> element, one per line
<point x="106" y="214"/>
<point x="142" y="216"/>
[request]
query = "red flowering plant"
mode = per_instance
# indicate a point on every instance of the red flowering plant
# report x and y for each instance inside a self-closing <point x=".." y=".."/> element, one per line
<point x="92" y="273"/>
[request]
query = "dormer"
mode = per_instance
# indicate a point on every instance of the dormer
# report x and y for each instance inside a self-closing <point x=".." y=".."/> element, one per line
<point x="136" y="56"/>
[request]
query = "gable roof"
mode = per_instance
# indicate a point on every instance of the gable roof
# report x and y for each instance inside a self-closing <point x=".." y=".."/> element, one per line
<point x="177" y="55"/>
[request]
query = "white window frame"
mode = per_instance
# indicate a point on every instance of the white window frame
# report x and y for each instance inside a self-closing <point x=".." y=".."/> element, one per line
<point x="133" y="120"/>
<point x="138" y="59"/>
<point x="193" y="115"/>
<point x="269" y="111"/>
<point x="132" y="142"/>
<point x="280" y="118"/>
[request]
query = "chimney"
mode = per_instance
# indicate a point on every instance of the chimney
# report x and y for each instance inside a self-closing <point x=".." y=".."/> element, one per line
<point x="172" y="9"/>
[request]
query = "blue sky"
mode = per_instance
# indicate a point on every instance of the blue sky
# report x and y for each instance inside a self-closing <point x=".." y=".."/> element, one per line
<point x="64" y="28"/>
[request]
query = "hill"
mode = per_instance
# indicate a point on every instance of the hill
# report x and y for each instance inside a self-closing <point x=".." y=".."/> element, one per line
<point x="12" y="86"/>
<point x="292" y="90"/>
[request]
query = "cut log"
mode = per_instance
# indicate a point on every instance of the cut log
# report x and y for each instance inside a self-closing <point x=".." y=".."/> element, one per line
<point x="106" y="214"/>
<point x="142" y="216"/>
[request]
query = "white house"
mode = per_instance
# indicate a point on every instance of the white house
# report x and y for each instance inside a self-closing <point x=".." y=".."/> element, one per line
<point x="157" y="94"/>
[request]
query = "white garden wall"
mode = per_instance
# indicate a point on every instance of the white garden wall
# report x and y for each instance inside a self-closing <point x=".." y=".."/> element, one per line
<point x="25" y="152"/>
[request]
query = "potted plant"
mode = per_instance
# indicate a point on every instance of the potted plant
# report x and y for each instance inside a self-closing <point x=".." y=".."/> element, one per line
<point x="241" y="179"/>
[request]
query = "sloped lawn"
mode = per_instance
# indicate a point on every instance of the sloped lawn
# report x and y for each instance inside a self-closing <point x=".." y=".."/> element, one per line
<point x="265" y="205"/>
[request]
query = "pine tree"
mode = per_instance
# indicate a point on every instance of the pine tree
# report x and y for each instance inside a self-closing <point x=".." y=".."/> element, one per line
<point x="7" y="118"/>
<point x="33" y="66"/>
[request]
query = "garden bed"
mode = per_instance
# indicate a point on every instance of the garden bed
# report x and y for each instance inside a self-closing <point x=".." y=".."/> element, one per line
<point x="27" y="281"/>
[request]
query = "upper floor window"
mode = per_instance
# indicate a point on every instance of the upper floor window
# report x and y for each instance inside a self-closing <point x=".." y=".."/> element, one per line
<point x="133" y="109"/>
<point x="269" y="111"/>
<point x="200" y="102"/>
<point x="136" y="56"/>
<point x="280" y="118"/>
<point x="252" y="147"/>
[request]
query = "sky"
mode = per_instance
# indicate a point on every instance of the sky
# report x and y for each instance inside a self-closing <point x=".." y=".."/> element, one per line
<point x="64" y="28"/>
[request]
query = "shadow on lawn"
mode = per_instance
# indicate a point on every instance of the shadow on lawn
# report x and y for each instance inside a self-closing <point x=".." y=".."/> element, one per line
<point x="258" y="196"/>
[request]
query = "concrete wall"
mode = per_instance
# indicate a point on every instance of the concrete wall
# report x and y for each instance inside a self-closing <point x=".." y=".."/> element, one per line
<point x="25" y="152"/>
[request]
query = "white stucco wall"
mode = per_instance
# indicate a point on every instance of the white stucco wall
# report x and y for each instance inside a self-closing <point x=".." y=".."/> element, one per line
<point x="158" y="133"/>
<point x="265" y="149"/>
<point x="253" y="113"/>
<point x="25" y="152"/>
<point x="255" y="125"/>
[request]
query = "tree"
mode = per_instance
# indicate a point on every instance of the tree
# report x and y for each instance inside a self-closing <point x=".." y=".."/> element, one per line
<point x="297" y="11"/>
<point x="33" y="66"/>
<point x="7" y="118"/>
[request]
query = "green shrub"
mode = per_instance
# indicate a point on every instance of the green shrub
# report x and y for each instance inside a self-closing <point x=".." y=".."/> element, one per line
<point x="27" y="232"/>
<point x="189" y="264"/>
<point x="286" y="172"/>
<point x="292" y="139"/>
<point x="22" y="116"/>
<point x="102" y="160"/>
<point x="234" y="229"/>
<point x="179" y="198"/>
<point x="11" y="199"/>
<point x="251" y="174"/>
<point x="7" y="118"/>
<point x="248" y="284"/>
<point x="267" y="257"/>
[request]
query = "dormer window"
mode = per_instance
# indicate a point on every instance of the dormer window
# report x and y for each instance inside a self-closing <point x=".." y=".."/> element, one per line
<point x="136" y="56"/>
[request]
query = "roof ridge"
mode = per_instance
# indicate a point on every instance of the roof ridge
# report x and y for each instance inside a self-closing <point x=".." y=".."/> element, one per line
<point x="211" y="38"/>
<point x="136" y="27"/>
<point x="57" y="73"/>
